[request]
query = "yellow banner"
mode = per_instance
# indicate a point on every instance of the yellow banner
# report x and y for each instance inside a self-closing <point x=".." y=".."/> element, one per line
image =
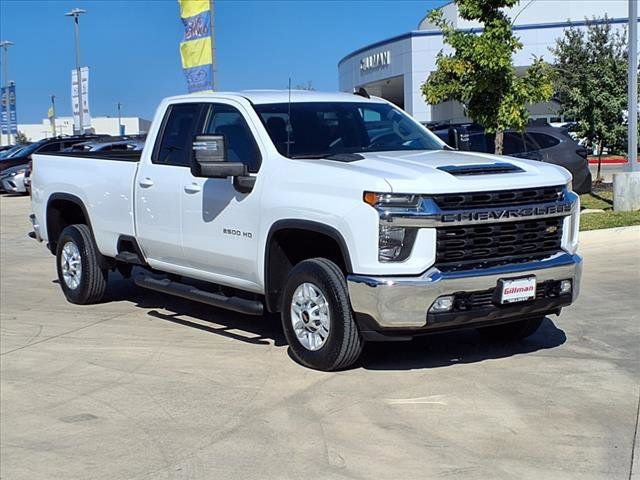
<point x="189" y="8"/>
<point x="196" y="52"/>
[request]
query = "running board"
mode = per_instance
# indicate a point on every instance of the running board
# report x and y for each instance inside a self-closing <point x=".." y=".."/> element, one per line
<point x="236" y="304"/>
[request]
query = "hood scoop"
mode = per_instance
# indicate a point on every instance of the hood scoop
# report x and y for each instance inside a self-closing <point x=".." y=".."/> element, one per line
<point x="483" y="169"/>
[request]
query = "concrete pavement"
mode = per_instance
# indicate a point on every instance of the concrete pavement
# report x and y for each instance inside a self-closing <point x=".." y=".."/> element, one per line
<point x="151" y="387"/>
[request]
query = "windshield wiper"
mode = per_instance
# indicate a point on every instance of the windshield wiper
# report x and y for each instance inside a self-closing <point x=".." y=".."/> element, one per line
<point x="340" y="157"/>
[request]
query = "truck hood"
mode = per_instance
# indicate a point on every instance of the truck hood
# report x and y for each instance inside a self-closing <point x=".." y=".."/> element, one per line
<point x="438" y="171"/>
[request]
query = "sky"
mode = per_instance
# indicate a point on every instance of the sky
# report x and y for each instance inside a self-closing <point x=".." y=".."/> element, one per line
<point x="131" y="47"/>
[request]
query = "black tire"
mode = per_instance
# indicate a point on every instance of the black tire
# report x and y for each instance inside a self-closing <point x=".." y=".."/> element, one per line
<point x="343" y="344"/>
<point x="511" y="332"/>
<point x="92" y="278"/>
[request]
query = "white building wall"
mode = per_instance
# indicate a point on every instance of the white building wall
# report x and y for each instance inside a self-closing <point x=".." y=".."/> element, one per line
<point x="101" y="125"/>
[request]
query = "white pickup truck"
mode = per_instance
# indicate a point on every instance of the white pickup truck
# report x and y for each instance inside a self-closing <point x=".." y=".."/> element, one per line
<point x="339" y="211"/>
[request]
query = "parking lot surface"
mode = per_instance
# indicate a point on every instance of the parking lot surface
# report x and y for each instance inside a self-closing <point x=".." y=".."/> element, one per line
<point x="146" y="386"/>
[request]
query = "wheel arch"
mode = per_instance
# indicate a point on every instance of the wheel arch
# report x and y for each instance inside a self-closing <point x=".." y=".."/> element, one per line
<point x="277" y="263"/>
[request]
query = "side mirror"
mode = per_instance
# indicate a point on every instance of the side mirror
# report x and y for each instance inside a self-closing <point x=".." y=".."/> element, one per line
<point x="210" y="158"/>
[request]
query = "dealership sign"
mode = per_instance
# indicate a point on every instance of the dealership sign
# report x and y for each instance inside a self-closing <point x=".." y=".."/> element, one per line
<point x="375" y="61"/>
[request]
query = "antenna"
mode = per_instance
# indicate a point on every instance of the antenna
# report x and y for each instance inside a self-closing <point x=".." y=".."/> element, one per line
<point x="289" y="119"/>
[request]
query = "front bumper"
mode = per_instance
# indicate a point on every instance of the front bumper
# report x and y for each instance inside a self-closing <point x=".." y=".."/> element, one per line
<point x="401" y="303"/>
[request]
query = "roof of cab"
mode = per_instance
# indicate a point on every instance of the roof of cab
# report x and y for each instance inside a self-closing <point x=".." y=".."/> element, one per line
<point x="282" y="96"/>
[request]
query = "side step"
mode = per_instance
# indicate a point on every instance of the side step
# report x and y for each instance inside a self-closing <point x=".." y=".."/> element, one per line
<point x="236" y="304"/>
<point x="130" y="257"/>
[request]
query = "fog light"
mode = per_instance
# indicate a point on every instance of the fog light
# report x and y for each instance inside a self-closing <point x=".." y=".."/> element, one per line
<point x="565" y="287"/>
<point x="442" y="304"/>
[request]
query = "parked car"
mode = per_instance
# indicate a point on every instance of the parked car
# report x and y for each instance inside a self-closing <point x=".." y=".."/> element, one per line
<point x="108" y="145"/>
<point x="539" y="141"/>
<point x="48" y="145"/>
<point x="12" y="179"/>
<point x="12" y="150"/>
<point x="338" y="211"/>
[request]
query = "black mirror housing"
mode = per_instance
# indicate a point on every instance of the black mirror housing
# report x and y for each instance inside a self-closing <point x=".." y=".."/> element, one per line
<point x="210" y="158"/>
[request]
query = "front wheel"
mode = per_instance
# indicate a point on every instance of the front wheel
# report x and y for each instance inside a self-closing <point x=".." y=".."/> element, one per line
<point x="82" y="279"/>
<point x="317" y="318"/>
<point x="511" y="332"/>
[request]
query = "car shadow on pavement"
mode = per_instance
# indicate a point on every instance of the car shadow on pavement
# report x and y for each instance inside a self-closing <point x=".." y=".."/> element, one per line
<point x="463" y="346"/>
<point x="429" y="351"/>
<point x="259" y="330"/>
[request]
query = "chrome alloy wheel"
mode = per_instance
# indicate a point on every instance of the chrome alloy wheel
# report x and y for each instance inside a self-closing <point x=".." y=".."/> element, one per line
<point x="310" y="316"/>
<point x="71" y="264"/>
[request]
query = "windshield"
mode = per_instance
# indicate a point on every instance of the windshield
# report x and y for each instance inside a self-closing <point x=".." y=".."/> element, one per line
<point x="320" y="129"/>
<point x="11" y="151"/>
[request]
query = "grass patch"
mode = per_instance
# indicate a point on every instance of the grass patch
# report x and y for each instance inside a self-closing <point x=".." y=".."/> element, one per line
<point x="596" y="221"/>
<point x="602" y="199"/>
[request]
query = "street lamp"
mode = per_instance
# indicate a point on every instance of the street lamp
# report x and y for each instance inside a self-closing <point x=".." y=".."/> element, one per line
<point x="75" y="13"/>
<point x="5" y="44"/>
<point x="120" y="132"/>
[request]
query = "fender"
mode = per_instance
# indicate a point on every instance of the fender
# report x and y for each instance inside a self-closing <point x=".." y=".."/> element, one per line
<point x="104" y="261"/>
<point x="307" y="225"/>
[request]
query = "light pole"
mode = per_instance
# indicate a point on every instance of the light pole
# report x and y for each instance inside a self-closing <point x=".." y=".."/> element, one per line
<point x="75" y="13"/>
<point x="120" y="132"/>
<point x="53" y="114"/>
<point x="5" y="44"/>
<point x="633" y="87"/>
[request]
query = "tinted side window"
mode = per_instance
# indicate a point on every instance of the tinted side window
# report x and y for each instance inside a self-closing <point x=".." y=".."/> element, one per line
<point x="513" y="143"/>
<point x="51" y="147"/>
<point x="543" y="140"/>
<point x="241" y="146"/>
<point x="177" y="135"/>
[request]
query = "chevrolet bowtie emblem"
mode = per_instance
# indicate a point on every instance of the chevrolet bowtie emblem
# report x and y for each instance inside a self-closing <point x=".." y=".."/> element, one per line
<point x="551" y="229"/>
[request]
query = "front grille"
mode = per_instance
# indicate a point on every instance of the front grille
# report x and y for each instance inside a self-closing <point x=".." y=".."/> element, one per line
<point x="449" y="201"/>
<point x="482" y="246"/>
<point x="485" y="298"/>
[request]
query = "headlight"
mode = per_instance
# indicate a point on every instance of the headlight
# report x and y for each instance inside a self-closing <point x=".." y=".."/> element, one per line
<point x="395" y="243"/>
<point x="382" y="200"/>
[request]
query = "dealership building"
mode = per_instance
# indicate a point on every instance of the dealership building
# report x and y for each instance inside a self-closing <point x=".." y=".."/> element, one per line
<point x="396" y="68"/>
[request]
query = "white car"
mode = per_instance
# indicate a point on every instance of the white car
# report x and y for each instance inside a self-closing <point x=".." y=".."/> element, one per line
<point x="12" y="180"/>
<point x="340" y="212"/>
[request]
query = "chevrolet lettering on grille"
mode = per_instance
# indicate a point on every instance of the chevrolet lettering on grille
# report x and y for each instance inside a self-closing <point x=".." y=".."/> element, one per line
<point x="505" y="213"/>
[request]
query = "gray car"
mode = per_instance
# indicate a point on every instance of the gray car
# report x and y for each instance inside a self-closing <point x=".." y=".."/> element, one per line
<point x="12" y="179"/>
<point x="540" y="141"/>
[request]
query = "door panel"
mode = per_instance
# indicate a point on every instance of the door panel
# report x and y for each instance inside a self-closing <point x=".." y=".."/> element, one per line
<point x="158" y="205"/>
<point x="220" y="224"/>
<point x="159" y="190"/>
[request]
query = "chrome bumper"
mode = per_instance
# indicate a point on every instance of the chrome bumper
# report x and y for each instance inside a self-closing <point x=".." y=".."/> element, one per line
<point x="36" y="228"/>
<point x="403" y="302"/>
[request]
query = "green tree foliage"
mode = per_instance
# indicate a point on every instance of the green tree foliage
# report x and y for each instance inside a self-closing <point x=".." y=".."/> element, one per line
<point x="480" y="73"/>
<point x="591" y="83"/>
<point x="21" y="138"/>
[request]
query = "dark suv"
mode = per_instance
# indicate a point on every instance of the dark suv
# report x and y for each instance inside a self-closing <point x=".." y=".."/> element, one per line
<point x="540" y="141"/>
<point x="50" y="145"/>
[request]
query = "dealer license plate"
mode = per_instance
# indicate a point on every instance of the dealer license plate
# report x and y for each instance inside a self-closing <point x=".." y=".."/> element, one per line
<point x="517" y="289"/>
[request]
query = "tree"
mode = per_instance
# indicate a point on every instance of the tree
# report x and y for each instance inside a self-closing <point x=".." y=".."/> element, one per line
<point x="21" y="139"/>
<point x="591" y="83"/>
<point x="480" y="72"/>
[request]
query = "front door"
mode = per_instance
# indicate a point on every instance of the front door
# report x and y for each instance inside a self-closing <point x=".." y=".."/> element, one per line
<point x="158" y="186"/>
<point x="220" y="224"/>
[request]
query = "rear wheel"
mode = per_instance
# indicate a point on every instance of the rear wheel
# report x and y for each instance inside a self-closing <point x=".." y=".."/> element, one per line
<point x="510" y="332"/>
<point x="317" y="318"/>
<point x="82" y="279"/>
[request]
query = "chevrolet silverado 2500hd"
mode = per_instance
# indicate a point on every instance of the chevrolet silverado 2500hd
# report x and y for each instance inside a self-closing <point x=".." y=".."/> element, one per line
<point x="338" y="211"/>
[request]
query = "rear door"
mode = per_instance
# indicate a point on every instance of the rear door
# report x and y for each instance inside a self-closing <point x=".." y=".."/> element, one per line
<point x="159" y="191"/>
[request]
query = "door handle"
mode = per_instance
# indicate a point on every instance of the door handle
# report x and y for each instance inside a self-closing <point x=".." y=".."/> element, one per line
<point x="145" y="182"/>
<point x="192" y="188"/>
